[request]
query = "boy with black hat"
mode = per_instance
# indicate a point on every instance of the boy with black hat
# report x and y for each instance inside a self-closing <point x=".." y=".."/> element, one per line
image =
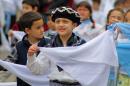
<point x="65" y="19"/>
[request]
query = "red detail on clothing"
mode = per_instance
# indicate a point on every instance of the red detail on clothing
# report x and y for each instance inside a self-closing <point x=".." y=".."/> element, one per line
<point x="45" y="27"/>
<point x="15" y="27"/>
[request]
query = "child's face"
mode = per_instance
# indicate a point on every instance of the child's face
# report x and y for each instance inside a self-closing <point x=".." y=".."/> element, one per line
<point x="127" y="17"/>
<point x="27" y="8"/>
<point x="83" y="12"/>
<point x="36" y="30"/>
<point x="64" y="26"/>
<point x="115" y="16"/>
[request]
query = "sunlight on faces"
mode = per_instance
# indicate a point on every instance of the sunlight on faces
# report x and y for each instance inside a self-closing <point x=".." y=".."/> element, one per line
<point x="64" y="26"/>
<point x="36" y="30"/>
<point x="83" y="12"/>
<point x="115" y="16"/>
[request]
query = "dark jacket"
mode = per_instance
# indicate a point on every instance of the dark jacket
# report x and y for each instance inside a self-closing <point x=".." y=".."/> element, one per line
<point x="22" y="49"/>
<point x="73" y="41"/>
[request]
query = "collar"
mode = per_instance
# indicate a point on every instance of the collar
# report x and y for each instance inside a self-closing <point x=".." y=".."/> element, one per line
<point x="72" y="40"/>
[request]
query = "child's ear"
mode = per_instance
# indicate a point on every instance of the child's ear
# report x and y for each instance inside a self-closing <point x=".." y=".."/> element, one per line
<point x="35" y="9"/>
<point x="75" y="24"/>
<point x="27" y="30"/>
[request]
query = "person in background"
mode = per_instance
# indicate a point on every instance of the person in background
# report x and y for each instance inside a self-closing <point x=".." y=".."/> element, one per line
<point x="51" y="25"/>
<point x="127" y="16"/>
<point x="46" y="5"/>
<point x="88" y="29"/>
<point x="126" y="5"/>
<point x="123" y="77"/>
<point x="115" y="15"/>
<point x="27" y="6"/>
<point x="97" y="12"/>
<point x="119" y="4"/>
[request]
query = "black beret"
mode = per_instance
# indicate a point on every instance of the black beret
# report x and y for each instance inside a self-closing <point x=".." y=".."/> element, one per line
<point x="65" y="12"/>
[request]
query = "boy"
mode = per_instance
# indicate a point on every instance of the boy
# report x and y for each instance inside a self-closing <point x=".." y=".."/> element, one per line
<point x="32" y="25"/>
<point x="65" y="19"/>
<point x="27" y="6"/>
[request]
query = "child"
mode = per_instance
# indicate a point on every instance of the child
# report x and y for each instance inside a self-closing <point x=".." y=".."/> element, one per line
<point x="123" y="81"/>
<point x="27" y="6"/>
<point x="51" y="25"/>
<point x="65" y="19"/>
<point x="32" y="24"/>
<point x="88" y="29"/>
<point x="115" y="15"/>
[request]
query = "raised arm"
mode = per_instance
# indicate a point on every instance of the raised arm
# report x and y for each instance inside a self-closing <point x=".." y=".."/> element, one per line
<point x="37" y="64"/>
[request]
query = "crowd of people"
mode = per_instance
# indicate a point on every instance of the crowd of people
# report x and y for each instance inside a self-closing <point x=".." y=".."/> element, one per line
<point x="57" y="23"/>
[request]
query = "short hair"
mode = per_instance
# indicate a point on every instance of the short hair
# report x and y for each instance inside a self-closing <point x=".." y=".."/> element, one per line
<point x="27" y="20"/>
<point x="33" y="3"/>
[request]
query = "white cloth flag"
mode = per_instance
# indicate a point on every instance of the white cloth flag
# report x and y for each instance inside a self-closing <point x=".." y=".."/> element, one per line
<point x="88" y="63"/>
<point x="23" y="73"/>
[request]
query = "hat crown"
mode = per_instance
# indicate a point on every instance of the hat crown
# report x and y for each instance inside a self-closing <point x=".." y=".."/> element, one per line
<point x="66" y="12"/>
<point x="67" y="9"/>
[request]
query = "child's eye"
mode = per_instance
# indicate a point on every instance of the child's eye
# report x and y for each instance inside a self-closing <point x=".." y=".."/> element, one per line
<point x="39" y="27"/>
<point x="65" y="21"/>
<point x="57" y="21"/>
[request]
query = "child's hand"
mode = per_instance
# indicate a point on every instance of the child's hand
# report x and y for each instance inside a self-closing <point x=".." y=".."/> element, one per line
<point x="32" y="49"/>
<point x="10" y="33"/>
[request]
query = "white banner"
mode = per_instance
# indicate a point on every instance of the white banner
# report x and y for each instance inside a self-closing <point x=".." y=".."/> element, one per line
<point x="88" y="63"/>
<point x="8" y="84"/>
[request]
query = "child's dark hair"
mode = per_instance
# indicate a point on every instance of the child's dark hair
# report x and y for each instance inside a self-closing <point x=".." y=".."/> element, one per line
<point x="27" y="20"/>
<point x="33" y="3"/>
<point x="88" y="6"/>
<point x="119" y="2"/>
